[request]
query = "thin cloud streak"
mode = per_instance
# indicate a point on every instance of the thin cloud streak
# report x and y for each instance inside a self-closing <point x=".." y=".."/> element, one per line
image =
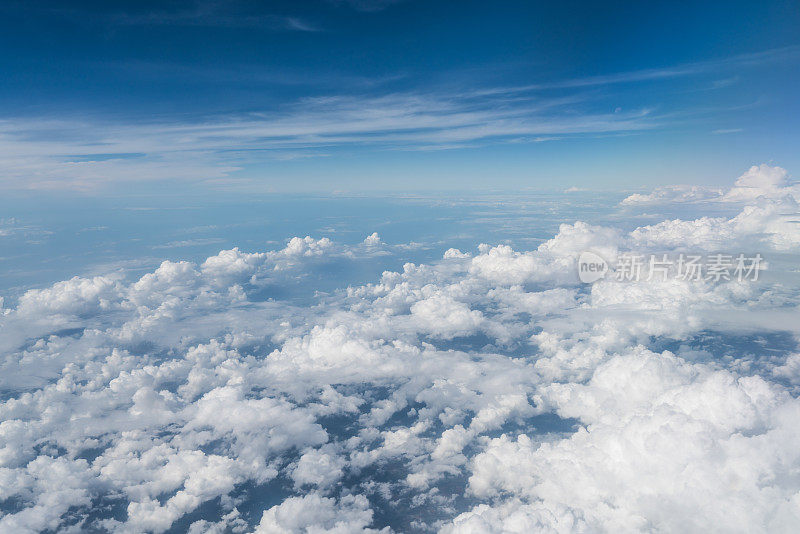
<point x="87" y="154"/>
<point x="208" y="14"/>
<point x="790" y="53"/>
<point x="79" y="153"/>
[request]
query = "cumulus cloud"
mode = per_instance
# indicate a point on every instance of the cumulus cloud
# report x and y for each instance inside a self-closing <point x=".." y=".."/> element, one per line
<point x="673" y="193"/>
<point x="313" y="514"/>
<point x="660" y="435"/>
<point x="771" y="224"/>
<point x="760" y="181"/>
<point x="486" y="391"/>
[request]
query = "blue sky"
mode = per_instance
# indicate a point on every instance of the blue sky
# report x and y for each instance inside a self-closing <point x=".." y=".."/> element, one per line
<point x="359" y="96"/>
<point x="315" y="267"/>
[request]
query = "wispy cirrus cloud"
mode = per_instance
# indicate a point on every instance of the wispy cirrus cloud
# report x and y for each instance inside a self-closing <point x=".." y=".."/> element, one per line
<point x="84" y="153"/>
<point x="367" y="5"/>
<point x="89" y="153"/>
<point x="201" y="13"/>
<point x="724" y="131"/>
<point x="784" y="54"/>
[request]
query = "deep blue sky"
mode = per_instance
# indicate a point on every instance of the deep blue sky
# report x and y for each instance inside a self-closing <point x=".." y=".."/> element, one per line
<point x="393" y="95"/>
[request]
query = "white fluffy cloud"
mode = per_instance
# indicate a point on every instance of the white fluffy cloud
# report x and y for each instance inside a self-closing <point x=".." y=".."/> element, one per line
<point x="674" y="193"/>
<point x="313" y="514"/>
<point x="771" y="224"/>
<point x="765" y="182"/>
<point x="760" y="181"/>
<point x="660" y="435"/>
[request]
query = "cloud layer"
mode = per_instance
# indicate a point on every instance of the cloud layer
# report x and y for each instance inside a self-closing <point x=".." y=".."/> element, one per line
<point x="488" y="391"/>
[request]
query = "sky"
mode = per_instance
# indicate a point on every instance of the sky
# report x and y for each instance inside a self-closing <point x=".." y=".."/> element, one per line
<point x="203" y="97"/>
<point x="317" y="267"/>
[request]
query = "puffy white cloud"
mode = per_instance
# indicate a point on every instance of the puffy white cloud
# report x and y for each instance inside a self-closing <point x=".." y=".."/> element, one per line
<point x="762" y="181"/>
<point x="372" y="239"/>
<point x="77" y="296"/>
<point x="313" y="514"/>
<point x="759" y="181"/>
<point x="768" y="217"/>
<point x="307" y="246"/>
<point x="660" y="435"/>
<point x="443" y="316"/>
<point x="50" y="486"/>
<point x="455" y="253"/>
<point x="517" y="518"/>
<point x="673" y="193"/>
<point x="231" y="265"/>
<point x="769" y="224"/>
<point x="319" y="467"/>
<point x="554" y="261"/>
